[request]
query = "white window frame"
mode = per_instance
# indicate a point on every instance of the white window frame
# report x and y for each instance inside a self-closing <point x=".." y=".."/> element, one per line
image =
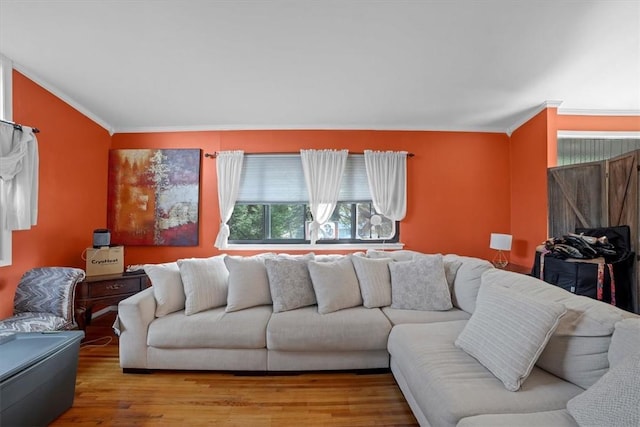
<point x="6" y="113"/>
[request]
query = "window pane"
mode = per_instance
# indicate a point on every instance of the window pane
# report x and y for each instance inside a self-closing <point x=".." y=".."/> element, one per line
<point x="372" y="226"/>
<point x="287" y="221"/>
<point x="247" y="223"/>
<point x="342" y="216"/>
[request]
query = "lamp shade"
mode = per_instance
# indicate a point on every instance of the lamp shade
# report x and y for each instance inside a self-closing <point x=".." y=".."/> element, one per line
<point x="501" y="242"/>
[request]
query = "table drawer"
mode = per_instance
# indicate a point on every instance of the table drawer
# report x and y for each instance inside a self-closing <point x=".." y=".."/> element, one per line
<point x="115" y="287"/>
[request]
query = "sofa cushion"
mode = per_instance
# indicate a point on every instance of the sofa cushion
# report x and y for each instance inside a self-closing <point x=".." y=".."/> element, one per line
<point x="624" y="341"/>
<point x="375" y="280"/>
<point x="248" y="282"/>
<point x="399" y="316"/>
<point x="508" y="331"/>
<point x="335" y="285"/>
<point x="420" y="284"/>
<point x="290" y="283"/>
<point x="558" y="418"/>
<point x="467" y="280"/>
<point x="213" y="328"/>
<point x="205" y="283"/>
<point x="168" y="289"/>
<point x="614" y="400"/>
<point x="578" y="349"/>
<point x="304" y="329"/>
<point x="448" y="384"/>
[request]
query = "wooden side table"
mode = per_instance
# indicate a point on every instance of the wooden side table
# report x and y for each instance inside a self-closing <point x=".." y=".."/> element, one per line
<point x="105" y="290"/>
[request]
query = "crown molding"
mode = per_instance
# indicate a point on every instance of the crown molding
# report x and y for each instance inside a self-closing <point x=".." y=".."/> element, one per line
<point x="63" y="96"/>
<point x="210" y="128"/>
<point x="529" y="115"/>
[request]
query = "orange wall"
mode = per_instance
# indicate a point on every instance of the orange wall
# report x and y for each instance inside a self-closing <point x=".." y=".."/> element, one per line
<point x="458" y="183"/>
<point x="533" y="149"/>
<point x="73" y="183"/>
<point x="529" y="159"/>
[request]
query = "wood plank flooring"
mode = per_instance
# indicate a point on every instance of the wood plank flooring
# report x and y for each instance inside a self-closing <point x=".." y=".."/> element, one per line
<point x="106" y="396"/>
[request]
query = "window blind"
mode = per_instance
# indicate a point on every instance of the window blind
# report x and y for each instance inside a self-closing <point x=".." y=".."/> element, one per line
<point x="278" y="178"/>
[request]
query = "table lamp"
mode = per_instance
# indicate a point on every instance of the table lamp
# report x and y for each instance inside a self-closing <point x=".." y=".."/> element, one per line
<point x="500" y="242"/>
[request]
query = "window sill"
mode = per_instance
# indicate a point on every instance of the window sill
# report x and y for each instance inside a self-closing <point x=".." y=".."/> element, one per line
<point x="308" y="247"/>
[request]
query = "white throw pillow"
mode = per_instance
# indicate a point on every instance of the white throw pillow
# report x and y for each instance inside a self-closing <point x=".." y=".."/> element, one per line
<point x="614" y="400"/>
<point x="420" y="284"/>
<point x="205" y="283"/>
<point x="248" y="282"/>
<point x="335" y="285"/>
<point x="290" y="283"/>
<point x="375" y="280"/>
<point x="508" y="331"/>
<point x="167" y="287"/>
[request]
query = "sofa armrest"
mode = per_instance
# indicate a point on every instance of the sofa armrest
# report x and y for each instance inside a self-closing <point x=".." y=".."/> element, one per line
<point x="134" y="316"/>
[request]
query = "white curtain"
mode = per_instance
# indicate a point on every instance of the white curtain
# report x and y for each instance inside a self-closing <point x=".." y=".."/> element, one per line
<point x="323" y="170"/>
<point x="387" y="176"/>
<point x="229" y="169"/>
<point x="18" y="178"/>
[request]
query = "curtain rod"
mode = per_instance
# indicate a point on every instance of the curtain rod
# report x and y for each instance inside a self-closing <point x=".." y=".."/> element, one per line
<point x="18" y="126"/>
<point x="214" y="155"/>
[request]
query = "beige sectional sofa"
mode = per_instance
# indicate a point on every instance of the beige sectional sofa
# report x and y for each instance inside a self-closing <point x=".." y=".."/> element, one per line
<point x="240" y="322"/>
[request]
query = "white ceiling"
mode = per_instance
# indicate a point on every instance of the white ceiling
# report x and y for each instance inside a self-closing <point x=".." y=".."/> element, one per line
<point x="144" y="65"/>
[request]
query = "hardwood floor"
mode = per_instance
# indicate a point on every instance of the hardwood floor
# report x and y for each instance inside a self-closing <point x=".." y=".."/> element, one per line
<point x="106" y="396"/>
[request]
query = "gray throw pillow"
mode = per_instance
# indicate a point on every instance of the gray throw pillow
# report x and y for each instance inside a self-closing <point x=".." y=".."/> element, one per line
<point x="614" y="400"/>
<point x="290" y="283"/>
<point x="335" y="285"/>
<point x="507" y="332"/>
<point x="420" y="284"/>
<point x="624" y="341"/>
<point x="375" y="280"/>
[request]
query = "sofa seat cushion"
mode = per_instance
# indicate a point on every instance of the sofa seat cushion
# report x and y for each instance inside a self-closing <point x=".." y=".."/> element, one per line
<point x="213" y="328"/>
<point x="559" y="418"/>
<point x="448" y="384"/>
<point x="399" y="316"/>
<point x="304" y="329"/>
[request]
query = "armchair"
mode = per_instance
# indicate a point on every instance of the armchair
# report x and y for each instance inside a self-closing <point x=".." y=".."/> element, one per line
<point x="44" y="300"/>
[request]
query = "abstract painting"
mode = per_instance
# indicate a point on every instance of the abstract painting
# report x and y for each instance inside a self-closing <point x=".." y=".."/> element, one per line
<point x="153" y="197"/>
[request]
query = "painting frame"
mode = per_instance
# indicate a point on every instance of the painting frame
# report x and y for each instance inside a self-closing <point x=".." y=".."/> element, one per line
<point x="154" y="196"/>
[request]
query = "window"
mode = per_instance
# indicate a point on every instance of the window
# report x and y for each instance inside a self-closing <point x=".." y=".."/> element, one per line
<point x="582" y="149"/>
<point x="272" y="205"/>
<point x="6" y="68"/>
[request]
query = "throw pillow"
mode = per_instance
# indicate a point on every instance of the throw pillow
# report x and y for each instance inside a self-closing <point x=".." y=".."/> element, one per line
<point x="624" y="341"/>
<point x="205" y="283"/>
<point x="508" y="331"/>
<point x="420" y="284"/>
<point x="375" y="280"/>
<point x="248" y="282"/>
<point x="451" y="268"/>
<point x="167" y="287"/>
<point x="290" y="283"/>
<point x="614" y="400"/>
<point x="335" y="285"/>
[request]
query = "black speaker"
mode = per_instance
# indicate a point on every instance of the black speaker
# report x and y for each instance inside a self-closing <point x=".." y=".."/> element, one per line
<point x="101" y="237"/>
